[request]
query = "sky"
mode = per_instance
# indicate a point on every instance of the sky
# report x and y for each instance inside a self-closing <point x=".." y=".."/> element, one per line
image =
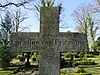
<point x="68" y="6"/>
<point x="67" y="20"/>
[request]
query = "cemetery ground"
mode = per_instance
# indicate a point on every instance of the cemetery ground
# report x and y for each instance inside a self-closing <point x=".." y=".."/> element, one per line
<point x="87" y="65"/>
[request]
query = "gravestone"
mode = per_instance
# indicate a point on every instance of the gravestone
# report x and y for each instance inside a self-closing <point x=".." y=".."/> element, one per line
<point x="49" y="42"/>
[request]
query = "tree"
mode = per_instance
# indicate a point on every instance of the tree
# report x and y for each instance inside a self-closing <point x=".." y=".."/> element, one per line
<point x="47" y="3"/>
<point x="92" y="31"/>
<point x="9" y="3"/>
<point x="96" y="6"/>
<point x="5" y="54"/>
<point x="18" y="18"/>
<point x="6" y="29"/>
<point x="80" y="28"/>
<point x="6" y="5"/>
<point x="80" y="16"/>
<point x="97" y="44"/>
<point x="86" y="23"/>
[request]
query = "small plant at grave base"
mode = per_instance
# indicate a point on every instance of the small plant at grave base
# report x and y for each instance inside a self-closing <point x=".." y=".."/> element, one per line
<point x="89" y="55"/>
<point x="86" y="62"/>
<point x="81" y="55"/>
<point x="80" y="70"/>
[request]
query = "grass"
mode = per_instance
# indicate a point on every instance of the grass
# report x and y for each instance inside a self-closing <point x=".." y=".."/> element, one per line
<point x="76" y="74"/>
<point x="94" y="69"/>
<point x="91" y="69"/>
<point x="5" y="72"/>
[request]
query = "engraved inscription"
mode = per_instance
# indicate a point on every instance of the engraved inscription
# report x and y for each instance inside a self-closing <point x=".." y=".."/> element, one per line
<point x="30" y="41"/>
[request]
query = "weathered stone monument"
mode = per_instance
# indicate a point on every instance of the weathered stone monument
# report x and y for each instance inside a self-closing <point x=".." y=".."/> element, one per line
<point x="49" y="42"/>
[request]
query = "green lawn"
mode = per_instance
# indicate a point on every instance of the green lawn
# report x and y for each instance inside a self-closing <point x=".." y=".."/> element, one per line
<point x="94" y="69"/>
<point x="5" y="72"/>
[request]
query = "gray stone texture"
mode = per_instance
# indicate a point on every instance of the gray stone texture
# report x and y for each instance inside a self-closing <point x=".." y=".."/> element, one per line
<point x="49" y="42"/>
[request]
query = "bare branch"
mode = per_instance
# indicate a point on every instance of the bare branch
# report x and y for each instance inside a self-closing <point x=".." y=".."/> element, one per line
<point x="18" y="17"/>
<point x="15" y="4"/>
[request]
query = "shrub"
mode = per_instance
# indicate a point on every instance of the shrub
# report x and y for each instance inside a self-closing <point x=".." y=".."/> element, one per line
<point x="80" y="70"/>
<point x="81" y="55"/>
<point x="89" y="55"/>
<point x="5" y="56"/>
<point x="86" y="62"/>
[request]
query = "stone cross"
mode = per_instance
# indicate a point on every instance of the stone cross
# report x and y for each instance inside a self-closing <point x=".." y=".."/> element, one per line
<point x="49" y="42"/>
